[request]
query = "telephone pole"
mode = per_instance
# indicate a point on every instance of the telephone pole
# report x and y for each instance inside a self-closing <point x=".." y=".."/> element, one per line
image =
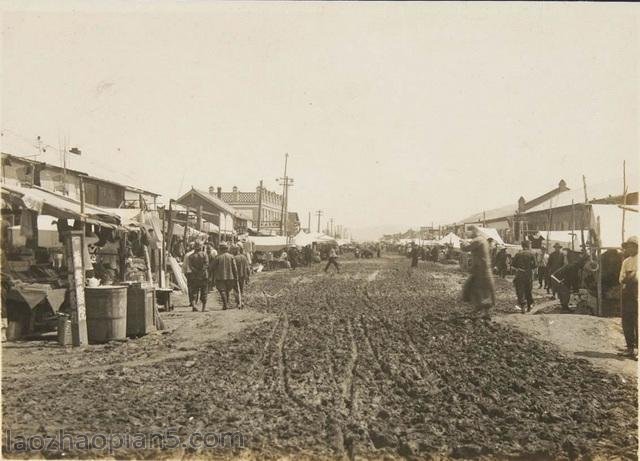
<point x="331" y="231"/>
<point x="285" y="181"/>
<point x="318" y="214"/>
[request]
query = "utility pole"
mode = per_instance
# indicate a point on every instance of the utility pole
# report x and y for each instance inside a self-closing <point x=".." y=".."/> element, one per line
<point x="260" y="206"/>
<point x="286" y="181"/>
<point x="319" y="214"/>
<point x="309" y="223"/>
<point x="331" y="228"/>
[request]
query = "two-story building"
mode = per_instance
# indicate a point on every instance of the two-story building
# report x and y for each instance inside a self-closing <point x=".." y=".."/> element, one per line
<point x="262" y="206"/>
<point x="64" y="181"/>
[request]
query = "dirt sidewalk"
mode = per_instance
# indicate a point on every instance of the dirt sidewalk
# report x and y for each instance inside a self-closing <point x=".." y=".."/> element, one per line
<point x="593" y="338"/>
<point x="185" y="333"/>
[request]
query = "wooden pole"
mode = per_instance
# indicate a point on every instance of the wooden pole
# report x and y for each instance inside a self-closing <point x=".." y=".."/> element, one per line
<point x="599" y="271"/>
<point x="73" y="244"/>
<point x="573" y="223"/>
<point x="260" y="206"/>
<point x="199" y="218"/>
<point x="186" y="225"/>
<point x="169" y="233"/>
<point x="164" y="249"/>
<point x="624" y="193"/>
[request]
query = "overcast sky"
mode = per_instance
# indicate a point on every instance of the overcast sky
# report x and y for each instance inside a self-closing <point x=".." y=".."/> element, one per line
<point x="394" y="115"/>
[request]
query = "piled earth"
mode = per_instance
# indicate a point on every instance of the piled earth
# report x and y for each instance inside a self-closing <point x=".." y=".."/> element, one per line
<point x="375" y="362"/>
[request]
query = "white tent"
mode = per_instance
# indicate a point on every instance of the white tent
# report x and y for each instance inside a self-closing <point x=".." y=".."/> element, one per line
<point x="274" y="243"/>
<point x="490" y="232"/>
<point x="303" y="239"/>
<point x="451" y="239"/>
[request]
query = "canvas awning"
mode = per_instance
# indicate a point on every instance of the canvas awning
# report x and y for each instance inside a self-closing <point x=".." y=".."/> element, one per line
<point x="274" y="243"/>
<point x="42" y="201"/>
<point x="611" y="224"/>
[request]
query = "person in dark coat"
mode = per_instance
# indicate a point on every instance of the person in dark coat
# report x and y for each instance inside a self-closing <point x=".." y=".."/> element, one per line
<point x="242" y="264"/>
<point x="556" y="261"/>
<point x="629" y="296"/>
<point x="566" y="280"/>
<point x="225" y="274"/>
<point x="524" y="263"/>
<point x="415" y="255"/>
<point x="293" y="256"/>
<point x="501" y="262"/>
<point x="199" y="265"/>
<point x="478" y="288"/>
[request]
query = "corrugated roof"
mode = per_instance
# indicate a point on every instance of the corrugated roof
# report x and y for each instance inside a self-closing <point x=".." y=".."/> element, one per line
<point x="495" y="213"/>
<point x="599" y="191"/>
<point x="47" y="202"/>
<point x="214" y="200"/>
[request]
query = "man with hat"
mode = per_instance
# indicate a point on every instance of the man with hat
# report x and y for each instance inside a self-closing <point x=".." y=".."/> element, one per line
<point x="199" y="266"/>
<point x="242" y="264"/>
<point x="479" y="289"/>
<point x="524" y="264"/>
<point x="225" y="274"/>
<point x="556" y="261"/>
<point x="629" y="296"/>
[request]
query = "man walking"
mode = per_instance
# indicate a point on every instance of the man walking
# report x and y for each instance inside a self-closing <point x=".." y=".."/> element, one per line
<point x="415" y="255"/>
<point x="199" y="265"/>
<point x="543" y="260"/>
<point x="225" y="274"/>
<point x="556" y="261"/>
<point x="186" y="270"/>
<point x="524" y="263"/>
<point x="629" y="296"/>
<point x="501" y="262"/>
<point x="478" y="288"/>
<point x="333" y="260"/>
<point x="242" y="264"/>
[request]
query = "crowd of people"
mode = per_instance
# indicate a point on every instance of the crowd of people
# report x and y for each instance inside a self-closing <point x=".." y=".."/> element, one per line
<point x="227" y="269"/>
<point x="556" y="272"/>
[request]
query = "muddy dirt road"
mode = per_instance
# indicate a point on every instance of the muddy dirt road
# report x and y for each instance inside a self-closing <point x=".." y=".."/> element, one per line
<point x="375" y="361"/>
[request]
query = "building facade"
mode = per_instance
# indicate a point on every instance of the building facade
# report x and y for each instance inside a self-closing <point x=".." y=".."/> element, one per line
<point x="100" y="192"/>
<point x="215" y="210"/>
<point x="262" y="206"/>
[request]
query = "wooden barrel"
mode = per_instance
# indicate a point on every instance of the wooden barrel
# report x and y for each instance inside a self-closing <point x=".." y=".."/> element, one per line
<point x="106" y="313"/>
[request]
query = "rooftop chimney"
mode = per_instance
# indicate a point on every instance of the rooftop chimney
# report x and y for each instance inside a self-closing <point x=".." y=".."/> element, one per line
<point x="212" y="190"/>
<point x="219" y="192"/>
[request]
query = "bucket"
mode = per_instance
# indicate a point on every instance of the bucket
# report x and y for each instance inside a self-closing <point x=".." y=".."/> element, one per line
<point x="106" y="313"/>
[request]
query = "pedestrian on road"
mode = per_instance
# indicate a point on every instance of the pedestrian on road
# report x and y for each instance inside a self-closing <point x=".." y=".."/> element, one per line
<point x="415" y="255"/>
<point x="293" y="256"/>
<point x="556" y="261"/>
<point x="543" y="261"/>
<point x="186" y="270"/>
<point x="501" y="262"/>
<point x="566" y="280"/>
<point x="242" y="264"/>
<point x="478" y="288"/>
<point x="629" y="296"/>
<point x="199" y="266"/>
<point x="524" y="263"/>
<point x="333" y="260"/>
<point x="225" y="274"/>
